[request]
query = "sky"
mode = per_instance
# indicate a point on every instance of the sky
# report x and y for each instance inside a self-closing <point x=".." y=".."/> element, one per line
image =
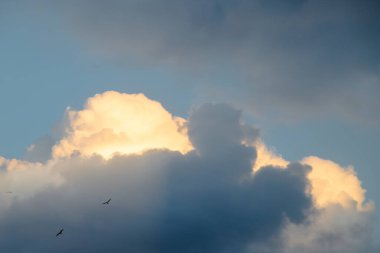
<point x="214" y="126"/>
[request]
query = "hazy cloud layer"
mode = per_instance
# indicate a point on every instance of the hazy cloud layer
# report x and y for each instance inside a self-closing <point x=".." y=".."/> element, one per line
<point x="288" y="58"/>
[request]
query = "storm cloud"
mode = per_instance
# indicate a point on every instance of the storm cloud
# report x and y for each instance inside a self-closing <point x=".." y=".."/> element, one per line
<point x="227" y="192"/>
<point x="163" y="201"/>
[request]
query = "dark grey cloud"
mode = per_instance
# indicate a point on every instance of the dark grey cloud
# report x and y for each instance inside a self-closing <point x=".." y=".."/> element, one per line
<point x="291" y="58"/>
<point x="206" y="201"/>
<point x="214" y="128"/>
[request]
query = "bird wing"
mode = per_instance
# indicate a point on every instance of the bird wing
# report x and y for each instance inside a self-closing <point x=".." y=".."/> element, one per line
<point x="59" y="233"/>
<point x="106" y="202"/>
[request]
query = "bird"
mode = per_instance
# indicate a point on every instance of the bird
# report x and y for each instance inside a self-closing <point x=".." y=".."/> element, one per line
<point x="107" y="202"/>
<point x="59" y="233"/>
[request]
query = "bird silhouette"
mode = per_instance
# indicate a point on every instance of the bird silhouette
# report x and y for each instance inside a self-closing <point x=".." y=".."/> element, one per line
<point x="59" y="233"/>
<point x="107" y="202"/>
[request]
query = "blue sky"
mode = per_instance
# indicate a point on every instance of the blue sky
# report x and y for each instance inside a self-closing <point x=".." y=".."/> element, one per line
<point x="58" y="55"/>
<point x="45" y="65"/>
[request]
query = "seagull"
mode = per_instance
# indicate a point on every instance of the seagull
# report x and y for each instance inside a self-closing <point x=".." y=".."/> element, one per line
<point x="59" y="233"/>
<point x="106" y="202"/>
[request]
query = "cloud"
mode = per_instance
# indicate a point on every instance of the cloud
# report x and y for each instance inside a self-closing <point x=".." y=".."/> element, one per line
<point x="266" y="156"/>
<point x="334" y="229"/>
<point x="40" y="150"/>
<point x="334" y="184"/>
<point x="214" y="129"/>
<point x="20" y="180"/>
<point x="343" y="218"/>
<point x="296" y="58"/>
<point x="331" y="183"/>
<point x="162" y="200"/>
<point x="113" y="122"/>
<point x="228" y="193"/>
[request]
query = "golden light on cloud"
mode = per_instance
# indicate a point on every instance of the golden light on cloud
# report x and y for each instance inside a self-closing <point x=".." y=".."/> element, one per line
<point x="114" y="122"/>
<point x="330" y="182"/>
<point x="266" y="156"/>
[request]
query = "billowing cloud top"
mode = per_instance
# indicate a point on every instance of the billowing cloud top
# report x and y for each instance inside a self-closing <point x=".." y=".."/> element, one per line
<point x="224" y="192"/>
<point x="123" y="123"/>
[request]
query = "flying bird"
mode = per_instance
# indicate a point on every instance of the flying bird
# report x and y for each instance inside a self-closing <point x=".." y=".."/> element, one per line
<point x="59" y="233"/>
<point x="106" y="202"/>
